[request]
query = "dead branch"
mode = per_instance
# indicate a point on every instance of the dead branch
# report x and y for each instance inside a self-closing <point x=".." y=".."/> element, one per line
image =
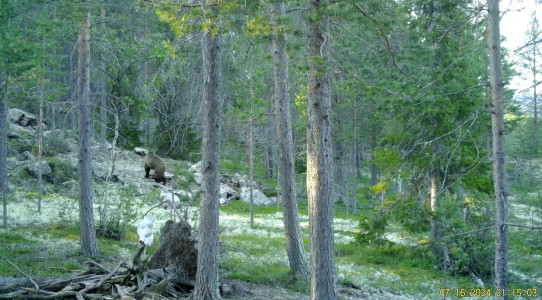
<point x="25" y="275"/>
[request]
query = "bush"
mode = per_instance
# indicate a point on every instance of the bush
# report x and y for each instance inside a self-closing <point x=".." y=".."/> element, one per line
<point x="122" y="213"/>
<point x="54" y="145"/>
<point x="61" y="170"/>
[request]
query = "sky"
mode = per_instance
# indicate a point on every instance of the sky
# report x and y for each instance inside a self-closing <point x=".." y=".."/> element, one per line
<point x="514" y="22"/>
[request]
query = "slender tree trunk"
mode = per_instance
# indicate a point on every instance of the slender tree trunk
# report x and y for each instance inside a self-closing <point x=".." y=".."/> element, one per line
<point x="294" y="240"/>
<point x="360" y="157"/>
<point x="354" y="154"/>
<point x="207" y="274"/>
<point x="535" y="96"/>
<point x="271" y="155"/>
<point x="86" y="210"/>
<point x="319" y="153"/>
<point x="374" y="168"/>
<point x="499" y="172"/>
<point x="251" y="164"/>
<point x="103" y="96"/>
<point x="436" y="245"/>
<point x="3" y="146"/>
<point x="40" y="143"/>
<point x="105" y="212"/>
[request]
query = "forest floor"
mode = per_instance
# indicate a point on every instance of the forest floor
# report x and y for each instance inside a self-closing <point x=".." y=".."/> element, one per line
<point x="47" y="244"/>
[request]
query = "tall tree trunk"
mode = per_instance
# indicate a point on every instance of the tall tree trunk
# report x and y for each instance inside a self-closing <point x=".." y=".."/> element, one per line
<point x="319" y="153"/>
<point x="354" y="154"/>
<point x="86" y="210"/>
<point x="251" y="162"/>
<point x="103" y="96"/>
<point x="374" y="167"/>
<point x="40" y="142"/>
<point x="271" y="155"/>
<point x="4" y="145"/>
<point x="294" y="240"/>
<point x="207" y="274"/>
<point x="105" y="211"/>
<point x="535" y="96"/>
<point x="436" y="245"/>
<point x="499" y="175"/>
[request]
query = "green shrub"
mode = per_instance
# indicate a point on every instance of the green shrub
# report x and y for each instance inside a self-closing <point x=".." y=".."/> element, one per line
<point x="61" y="170"/>
<point x="121" y="214"/>
<point x="372" y="228"/>
<point x="54" y="145"/>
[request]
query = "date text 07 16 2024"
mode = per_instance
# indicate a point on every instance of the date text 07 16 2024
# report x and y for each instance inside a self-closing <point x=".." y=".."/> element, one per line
<point x="478" y="292"/>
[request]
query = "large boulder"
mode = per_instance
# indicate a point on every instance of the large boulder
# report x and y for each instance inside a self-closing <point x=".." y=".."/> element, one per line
<point x="258" y="197"/>
<point x="227" y="194"/>
<point x="22" y="117"/>
<point x="196" y="169"/>
<point x="141" y="151"/>
<point x="16" y="128"/>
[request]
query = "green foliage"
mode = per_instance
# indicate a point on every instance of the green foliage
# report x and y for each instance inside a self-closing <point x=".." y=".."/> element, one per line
<point x="55" y="145"/>
<point x="178" y="142"/>
<point x="372" y="229"/>
<point x="122" y="214"/>
<point x="62" y="170"/>
<point x="413" y="215"/>
<point x="470" y="243"/>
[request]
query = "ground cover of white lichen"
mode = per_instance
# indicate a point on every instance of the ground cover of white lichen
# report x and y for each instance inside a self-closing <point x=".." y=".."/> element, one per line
<point x="47" y="244"/>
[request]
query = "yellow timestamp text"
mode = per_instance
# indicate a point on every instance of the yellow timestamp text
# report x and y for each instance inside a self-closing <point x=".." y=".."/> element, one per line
<point x="478" y="292"/>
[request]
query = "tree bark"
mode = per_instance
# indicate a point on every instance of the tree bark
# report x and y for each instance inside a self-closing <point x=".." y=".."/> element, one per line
<point x="3" y="146"/>
<point x="499" y="175"/>
<point x="271" y="156"/>
<point x="294" y="240"/>
<point x="319" y="153"/>
<point x="103" y="96"/>
<point x="436" y="245"/>
<point x="374" y="167"/>
<point x="86" y="210"/>
<point x="207" y="273"/>
<point x="354" y="154"/>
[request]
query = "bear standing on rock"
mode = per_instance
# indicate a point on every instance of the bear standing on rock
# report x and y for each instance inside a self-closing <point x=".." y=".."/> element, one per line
<point x="153" y="161"/>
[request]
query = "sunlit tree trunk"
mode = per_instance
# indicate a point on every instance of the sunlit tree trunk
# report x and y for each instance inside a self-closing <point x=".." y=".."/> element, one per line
<point x="499" y="173"/>
<point x="319" y="153"/>
<point x="86" y="210"/>
<point x="207" y="274"/>
<point x="436" y="244"/>
<point x="294" y="240"/>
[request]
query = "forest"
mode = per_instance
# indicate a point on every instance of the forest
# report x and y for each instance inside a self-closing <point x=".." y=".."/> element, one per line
<point x="269" y="149"/>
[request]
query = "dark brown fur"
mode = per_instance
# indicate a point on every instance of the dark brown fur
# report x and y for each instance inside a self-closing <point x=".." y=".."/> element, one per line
<point x="153" y="161"/>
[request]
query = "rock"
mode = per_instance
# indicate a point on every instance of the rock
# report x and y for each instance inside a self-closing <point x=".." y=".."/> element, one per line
<point x="233" y="289"/>
<point x="33" y="168"/>
<point x="173" y="199"/>
<point x="239" y="181"/>
<point x="56" y="133"/>
<point x="197" y="178"/>
<point x="183" y="193"/>
<point x="25" y="156"/>
<point x="168" y="175"/>
<point x="196" y="167"/>
<point x="141" y="151"/>
<point x="227" y="194"/>
<point x="13" y="127"/>
<point x="22" y="117"/>
<point x="259" y="197"/>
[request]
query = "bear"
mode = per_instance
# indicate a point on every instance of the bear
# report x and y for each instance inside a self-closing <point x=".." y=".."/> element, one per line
<point x="153" y="161"/>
